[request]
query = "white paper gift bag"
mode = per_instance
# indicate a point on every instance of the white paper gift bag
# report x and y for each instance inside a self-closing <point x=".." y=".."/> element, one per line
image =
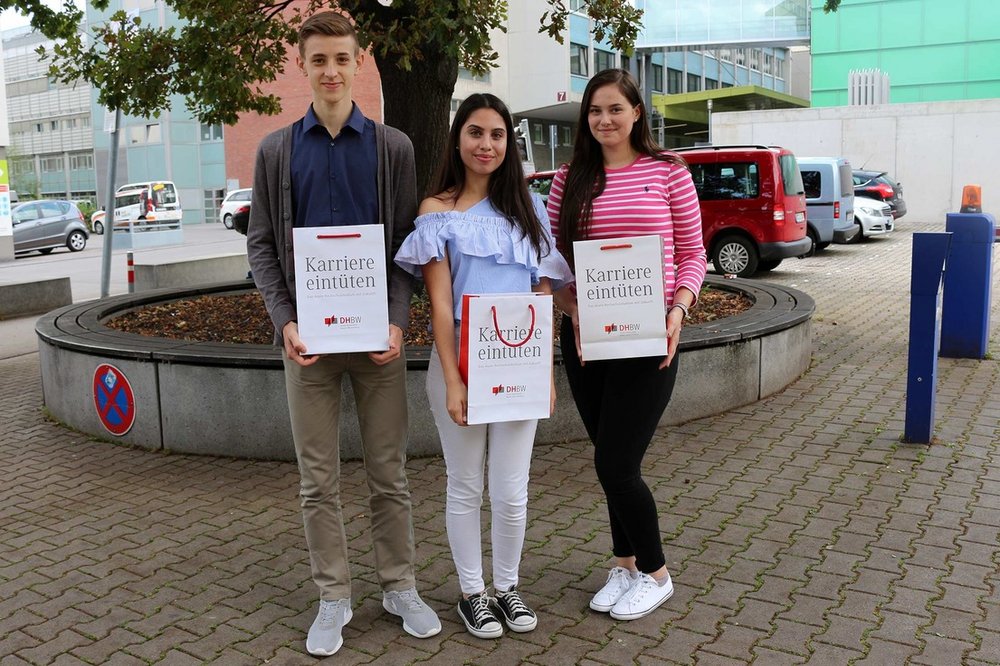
<point x="619" y="294"/>
<point x="341" y="288"/>
<point x="505" y="356"/>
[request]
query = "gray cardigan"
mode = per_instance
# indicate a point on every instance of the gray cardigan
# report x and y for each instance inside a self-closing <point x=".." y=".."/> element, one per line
<point x="269" y="236"/>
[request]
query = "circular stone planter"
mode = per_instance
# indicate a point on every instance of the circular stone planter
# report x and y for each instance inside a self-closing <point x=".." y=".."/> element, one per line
<point x="229" y="399"/>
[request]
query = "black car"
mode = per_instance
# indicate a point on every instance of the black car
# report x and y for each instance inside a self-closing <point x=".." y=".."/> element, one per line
<point x="241" y="219"/>
<point x="878" y="185"/>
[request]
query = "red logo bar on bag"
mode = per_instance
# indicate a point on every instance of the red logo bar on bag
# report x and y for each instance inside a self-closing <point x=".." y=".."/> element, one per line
<point x="623" y="246"/>
<point x="330" y="236"/>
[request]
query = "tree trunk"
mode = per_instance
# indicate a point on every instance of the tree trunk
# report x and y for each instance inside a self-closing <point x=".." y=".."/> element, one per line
<point x="418" y="102"/>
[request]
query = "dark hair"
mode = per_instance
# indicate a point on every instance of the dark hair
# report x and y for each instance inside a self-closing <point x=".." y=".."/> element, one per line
<point x="330" y="24"/>
<point x="508" y="190"/>
<point x="585" y="178"/>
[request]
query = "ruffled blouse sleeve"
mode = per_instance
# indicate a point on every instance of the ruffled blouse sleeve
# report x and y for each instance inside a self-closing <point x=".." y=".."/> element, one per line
<point x="426" y="243"/>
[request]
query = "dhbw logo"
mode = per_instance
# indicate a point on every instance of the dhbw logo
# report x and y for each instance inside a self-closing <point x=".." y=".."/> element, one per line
<point x="333" y="320"/>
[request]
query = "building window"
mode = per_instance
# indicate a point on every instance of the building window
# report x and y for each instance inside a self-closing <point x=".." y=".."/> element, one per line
<point x="658" y="78"/>
<point x="455" y="103"/>
<point x="38" y="127"/>
<point x="566" y="132"/>
<point x="711" y="84"/>
<point x="537" y="136"/>
<point x="626" y="62"/>
<point x="138" y="134"/>
<point x="603" y="60"/>
<point x="81" y="161"/>
<point x="463" y="73"/>
<point x="85" y="121"/>
<point x="578" y="58"/>
<point x="576" y="5"/>
<point x="211" y="132"/>
<point x="54" y="125"/>
<point x="83" y="195"/>
<point x="69" y="123"/>
<point x="674" y="81"/>
<point x="22" y="167"/>
<point x="213" y="200"/>
<point x="52" y="164"/>
<point x="694" y="82"/>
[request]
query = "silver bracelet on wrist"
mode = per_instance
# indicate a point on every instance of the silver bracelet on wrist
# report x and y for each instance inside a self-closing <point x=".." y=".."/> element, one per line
<point x="683" y="308"/>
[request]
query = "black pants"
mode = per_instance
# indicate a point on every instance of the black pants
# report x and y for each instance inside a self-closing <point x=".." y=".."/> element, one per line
<point x="620" y="402"/>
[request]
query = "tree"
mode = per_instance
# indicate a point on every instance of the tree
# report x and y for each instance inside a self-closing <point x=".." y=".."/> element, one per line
<point x="219" y="58"/>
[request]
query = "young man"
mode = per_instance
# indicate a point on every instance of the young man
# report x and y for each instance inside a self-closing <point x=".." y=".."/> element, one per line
<point x="336" y="167"/>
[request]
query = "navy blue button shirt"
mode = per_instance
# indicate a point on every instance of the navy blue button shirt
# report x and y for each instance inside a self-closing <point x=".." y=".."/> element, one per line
<point x="334" y="180"/>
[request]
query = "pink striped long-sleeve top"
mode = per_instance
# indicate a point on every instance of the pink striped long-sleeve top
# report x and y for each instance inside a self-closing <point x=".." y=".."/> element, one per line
<point x="647" y="197"/>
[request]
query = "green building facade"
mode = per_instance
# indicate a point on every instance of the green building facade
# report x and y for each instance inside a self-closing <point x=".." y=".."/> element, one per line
<point x="931" y="50"/>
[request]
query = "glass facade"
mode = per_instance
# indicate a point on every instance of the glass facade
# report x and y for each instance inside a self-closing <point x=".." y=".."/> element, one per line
<point x="715" y="22"/>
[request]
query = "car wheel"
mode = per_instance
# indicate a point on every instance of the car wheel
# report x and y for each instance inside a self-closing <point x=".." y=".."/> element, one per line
<point x="735" y="255"/>
<point x="98" y="228"/>
<point x="822" y="246"/>
<point x="770" y="265"/>
<point x="76" y="241"/>
<point x="858" y="237"/>
<point x="227" y="221"/>
<point x="814" y="241"/>
<point x="47" y="250"/>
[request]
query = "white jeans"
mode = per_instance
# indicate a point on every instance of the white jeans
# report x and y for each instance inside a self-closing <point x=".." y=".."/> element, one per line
<point x="508" y="446"/>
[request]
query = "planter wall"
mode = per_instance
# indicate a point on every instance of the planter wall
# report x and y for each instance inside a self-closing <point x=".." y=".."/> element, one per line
<point x="227" y="399"/>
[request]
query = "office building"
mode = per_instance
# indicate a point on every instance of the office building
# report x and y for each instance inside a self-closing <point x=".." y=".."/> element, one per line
<point x="51" y="151"/>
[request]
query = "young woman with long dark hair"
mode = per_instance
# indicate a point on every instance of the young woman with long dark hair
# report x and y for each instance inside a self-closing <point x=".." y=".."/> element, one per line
<point x="619" y="184"/>
<point x="481" y="232"/>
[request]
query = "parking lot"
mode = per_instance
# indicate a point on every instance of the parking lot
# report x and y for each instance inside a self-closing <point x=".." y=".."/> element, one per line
<point x="798" y="529"/>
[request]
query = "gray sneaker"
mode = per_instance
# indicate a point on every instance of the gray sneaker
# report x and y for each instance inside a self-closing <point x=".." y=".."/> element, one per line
<point x="324" y="636"/>
<point x="418" y="618"/>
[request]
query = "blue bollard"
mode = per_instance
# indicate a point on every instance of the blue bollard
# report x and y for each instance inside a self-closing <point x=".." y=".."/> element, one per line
<point x="965" y="307"/>
<point x="929" y="253"/>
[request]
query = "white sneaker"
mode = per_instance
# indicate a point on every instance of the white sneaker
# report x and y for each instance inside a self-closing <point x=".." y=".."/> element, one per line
<point x="324" y="636"/>
<point x="619" y="581"/>
<point x="418" y="618"/>
<point x="645" y="596"/>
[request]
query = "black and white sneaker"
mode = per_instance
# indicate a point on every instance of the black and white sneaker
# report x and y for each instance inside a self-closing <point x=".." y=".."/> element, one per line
<point x="478" y="616"/>
<point x="515" y="613"/>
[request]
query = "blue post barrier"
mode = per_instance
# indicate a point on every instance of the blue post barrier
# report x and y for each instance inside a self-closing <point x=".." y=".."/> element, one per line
<point x="929" y="253"/>
<point x="965" y="305"/>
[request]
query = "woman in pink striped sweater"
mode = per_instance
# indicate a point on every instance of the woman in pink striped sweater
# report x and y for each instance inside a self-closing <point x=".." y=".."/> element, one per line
<point x="620" y="183"/>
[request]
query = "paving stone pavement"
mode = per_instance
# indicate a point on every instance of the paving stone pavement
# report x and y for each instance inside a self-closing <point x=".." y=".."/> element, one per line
<point x="799" y="530"/>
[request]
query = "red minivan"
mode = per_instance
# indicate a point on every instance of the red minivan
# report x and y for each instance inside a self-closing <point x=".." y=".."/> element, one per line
<point x="753" y="206"/>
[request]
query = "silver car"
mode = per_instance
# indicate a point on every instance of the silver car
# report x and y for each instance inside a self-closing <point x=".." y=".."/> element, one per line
<point x="47" y="224"/>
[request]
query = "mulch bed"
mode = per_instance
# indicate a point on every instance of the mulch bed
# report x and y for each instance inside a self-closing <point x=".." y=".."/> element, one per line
<point x="242" y="319"/>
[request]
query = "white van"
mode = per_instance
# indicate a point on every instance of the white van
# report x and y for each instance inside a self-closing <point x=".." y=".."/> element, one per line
<point x="151" y="204"/>
<point x="829" y="188"/>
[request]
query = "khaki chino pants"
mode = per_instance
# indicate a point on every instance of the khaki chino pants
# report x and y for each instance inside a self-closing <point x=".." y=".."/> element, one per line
<point x="314" y="395"/>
